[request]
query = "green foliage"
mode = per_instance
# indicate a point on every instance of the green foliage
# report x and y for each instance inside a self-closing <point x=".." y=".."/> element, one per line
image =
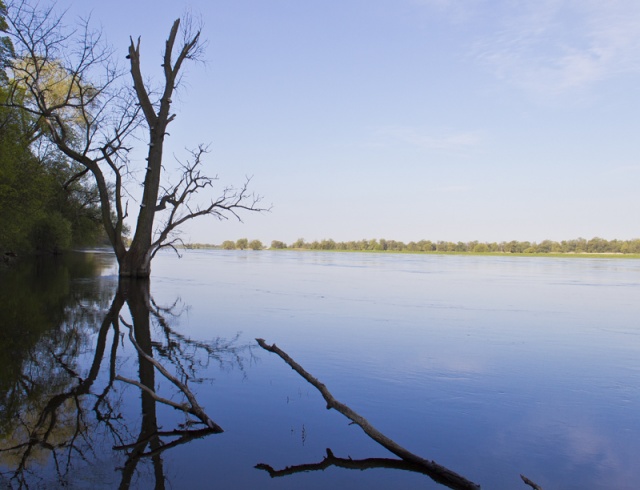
<point x="242" y="243"/>
<point x="299" y="243"/>
<point x="278" y="245"/>
<point x="481" y="248"/>
<point x="6" y="48"/>
<point x="34" y="191"/>
<point x="578" y="246"/>
<point x="41" y="315"/>
<point x="51" y="234"/>
<point x="24" y="185"/>
<point x="255" y="245"/>
<point x="228" y="245"/>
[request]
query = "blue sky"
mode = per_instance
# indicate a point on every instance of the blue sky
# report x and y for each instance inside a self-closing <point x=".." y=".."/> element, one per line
<point x="449" y="120"/>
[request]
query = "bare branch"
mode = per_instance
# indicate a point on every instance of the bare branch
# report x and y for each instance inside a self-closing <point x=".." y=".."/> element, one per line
<point x="530" y="483"/>
<point x="177" y="200"/>
<point x="354" y="464"/>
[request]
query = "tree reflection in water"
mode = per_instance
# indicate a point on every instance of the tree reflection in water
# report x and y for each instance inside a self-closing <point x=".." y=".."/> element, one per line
<point x="63" y="386"/>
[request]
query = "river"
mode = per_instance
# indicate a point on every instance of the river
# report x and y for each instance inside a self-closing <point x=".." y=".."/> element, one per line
<point x="491" y="366"/>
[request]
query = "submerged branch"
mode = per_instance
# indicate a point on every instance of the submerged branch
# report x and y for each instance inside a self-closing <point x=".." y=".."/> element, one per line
<point x="530" y="483"/>
<point x="436" y="471"/>
<point x="353" y="464"/>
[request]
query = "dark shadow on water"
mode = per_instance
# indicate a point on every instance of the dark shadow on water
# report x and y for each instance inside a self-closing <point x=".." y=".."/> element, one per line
<point x="65" y="381"/>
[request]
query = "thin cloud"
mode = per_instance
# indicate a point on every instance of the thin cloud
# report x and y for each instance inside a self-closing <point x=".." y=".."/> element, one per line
<point x="623" y="169"/>
<point x="457" y="11"/>
<point x="453" y="189"/>
<point x="431" y="140"/>
<point x="560" y="45"/>
<point x="549" y="46"/>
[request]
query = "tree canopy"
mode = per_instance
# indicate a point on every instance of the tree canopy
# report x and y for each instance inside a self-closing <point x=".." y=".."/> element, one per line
<point x="44" y="204"/>
<point x="578" y="245"/>
<point x="41" y="209"/>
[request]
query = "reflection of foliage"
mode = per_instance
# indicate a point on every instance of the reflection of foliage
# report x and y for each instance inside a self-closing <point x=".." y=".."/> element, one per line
<point x="62" y="403"/>
<point x="43" y="339"/>
<point x="40" y="315"/>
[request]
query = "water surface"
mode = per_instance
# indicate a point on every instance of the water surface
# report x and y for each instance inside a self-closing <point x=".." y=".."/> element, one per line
<point x="491" y="366"/>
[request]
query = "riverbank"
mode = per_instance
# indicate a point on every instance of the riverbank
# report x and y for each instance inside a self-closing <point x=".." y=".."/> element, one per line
<point x="587" y="255"/>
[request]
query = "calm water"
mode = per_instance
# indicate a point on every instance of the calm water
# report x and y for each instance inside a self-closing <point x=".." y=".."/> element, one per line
<point x="490" y="366"/>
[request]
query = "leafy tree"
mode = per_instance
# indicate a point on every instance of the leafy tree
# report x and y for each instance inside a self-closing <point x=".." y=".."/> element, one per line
<point x="242" y="243"/>
<point x="23" y="184"/>
<point x="6" y="47"/>
<point x="277" y="244"/>
<point x="228" y="245"/>
<point x="480" y="248"/>
<point x="328" y="244"/>
<point x="256" y="245"/>
<point x="34" y="190"/>
<point x="299" y="243"/>
<point x="52" y="233"/>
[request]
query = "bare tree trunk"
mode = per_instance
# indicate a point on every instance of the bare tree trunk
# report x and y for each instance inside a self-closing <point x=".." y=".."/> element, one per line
<point x="135" y="262"/>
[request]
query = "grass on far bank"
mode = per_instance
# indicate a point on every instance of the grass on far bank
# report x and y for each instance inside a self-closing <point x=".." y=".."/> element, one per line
<point x="583" y="255"/>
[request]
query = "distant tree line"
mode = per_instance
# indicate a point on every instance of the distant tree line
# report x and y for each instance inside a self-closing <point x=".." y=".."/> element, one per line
<point x="240" y="244"/>
<point x="578" y="245"/>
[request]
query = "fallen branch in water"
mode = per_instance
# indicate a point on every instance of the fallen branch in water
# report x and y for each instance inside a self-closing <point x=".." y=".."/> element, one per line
<point x="437" y="472"/>
<point x="530" y="483"/>
<point x="353" y="464"/>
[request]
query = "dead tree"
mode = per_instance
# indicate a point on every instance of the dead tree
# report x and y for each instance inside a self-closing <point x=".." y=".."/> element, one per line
<point x="71" y="87"/>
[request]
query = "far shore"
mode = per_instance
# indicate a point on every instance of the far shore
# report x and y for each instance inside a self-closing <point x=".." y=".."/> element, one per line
<point x="582" y="255"/>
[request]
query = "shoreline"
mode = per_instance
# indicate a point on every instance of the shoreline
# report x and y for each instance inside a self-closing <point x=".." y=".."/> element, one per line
<point x="581" y="255"/>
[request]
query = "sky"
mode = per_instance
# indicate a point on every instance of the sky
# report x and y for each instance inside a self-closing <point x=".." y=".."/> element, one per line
<point x="489" y="120"/>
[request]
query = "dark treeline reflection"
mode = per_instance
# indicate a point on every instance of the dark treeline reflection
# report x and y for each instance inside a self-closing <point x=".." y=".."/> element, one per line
<point x="74" y="346"/>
